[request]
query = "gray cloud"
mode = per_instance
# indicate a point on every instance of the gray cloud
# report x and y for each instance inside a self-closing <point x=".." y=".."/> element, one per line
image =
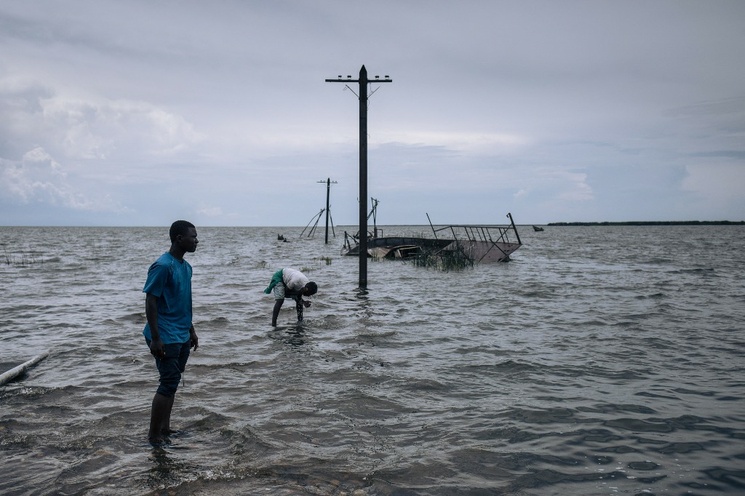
<point x="553" y="110"/>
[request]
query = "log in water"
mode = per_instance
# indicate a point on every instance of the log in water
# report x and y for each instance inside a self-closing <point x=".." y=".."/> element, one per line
<point x="16" y="371"/>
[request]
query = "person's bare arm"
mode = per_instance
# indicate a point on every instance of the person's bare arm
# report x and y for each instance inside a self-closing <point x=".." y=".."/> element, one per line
<point x="157" y="348"/>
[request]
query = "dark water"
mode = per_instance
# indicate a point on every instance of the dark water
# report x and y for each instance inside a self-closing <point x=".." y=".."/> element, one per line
<point x="601" y="360"/>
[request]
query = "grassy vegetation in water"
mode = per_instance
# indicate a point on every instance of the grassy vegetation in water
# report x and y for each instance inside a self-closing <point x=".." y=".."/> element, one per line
<point x="445" y="260"/>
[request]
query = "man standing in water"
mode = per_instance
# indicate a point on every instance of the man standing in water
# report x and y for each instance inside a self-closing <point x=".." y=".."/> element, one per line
<point x="169" y="331"/>
<point x="292" y="283"/>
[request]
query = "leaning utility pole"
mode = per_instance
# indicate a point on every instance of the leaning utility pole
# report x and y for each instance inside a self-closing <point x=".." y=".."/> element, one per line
<point x="328" y="182"/>
<point x="363" y="82"/>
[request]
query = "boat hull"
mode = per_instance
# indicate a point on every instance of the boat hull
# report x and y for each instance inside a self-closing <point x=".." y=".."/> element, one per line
<point x="398" y="247"/>
<point x="473" y="243"/>
<point x="404" y="248"/>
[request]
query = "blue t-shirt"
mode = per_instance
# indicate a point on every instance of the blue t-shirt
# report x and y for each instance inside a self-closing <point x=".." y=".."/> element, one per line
<point x="170" y="280"/>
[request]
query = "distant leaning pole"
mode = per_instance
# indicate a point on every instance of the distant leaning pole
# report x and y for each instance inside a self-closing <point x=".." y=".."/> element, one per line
<point x="363" y="82"/>
<point x="328" y="183"/>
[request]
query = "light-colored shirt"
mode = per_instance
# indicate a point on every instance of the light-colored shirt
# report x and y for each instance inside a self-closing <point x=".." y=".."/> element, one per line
<point x="294" y="279"/>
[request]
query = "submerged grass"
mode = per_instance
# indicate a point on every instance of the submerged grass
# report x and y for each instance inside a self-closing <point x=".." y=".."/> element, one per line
<point x="445" y="260"/>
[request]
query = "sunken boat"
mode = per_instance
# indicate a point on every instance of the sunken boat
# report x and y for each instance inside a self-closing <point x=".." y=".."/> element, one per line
<point x="475" y="243"/>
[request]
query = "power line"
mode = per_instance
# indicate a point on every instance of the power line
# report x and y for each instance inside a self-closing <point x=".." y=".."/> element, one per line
<point x="363" y="82"/>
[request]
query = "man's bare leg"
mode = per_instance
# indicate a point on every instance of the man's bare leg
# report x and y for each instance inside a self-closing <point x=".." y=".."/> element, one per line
<point x="275" y="311"/>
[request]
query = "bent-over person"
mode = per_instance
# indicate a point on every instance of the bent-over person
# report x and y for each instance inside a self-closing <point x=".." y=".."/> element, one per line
<point x="290" y="283"/>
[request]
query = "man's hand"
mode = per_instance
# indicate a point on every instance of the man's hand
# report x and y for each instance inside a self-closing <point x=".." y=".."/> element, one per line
<point x="194" y="339"/>
<point x="306" y="303"/>
<point x="157" y="348"/>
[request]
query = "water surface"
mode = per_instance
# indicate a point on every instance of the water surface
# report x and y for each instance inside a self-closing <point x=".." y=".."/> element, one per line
<point x="601" y="360"/>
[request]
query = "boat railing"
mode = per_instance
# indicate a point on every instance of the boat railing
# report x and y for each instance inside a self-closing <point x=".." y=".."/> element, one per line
<point x="485" y="233"/>
<point x="352" y="240"/>
<point x="495" y="236"/>
<point x="488" y="234"/>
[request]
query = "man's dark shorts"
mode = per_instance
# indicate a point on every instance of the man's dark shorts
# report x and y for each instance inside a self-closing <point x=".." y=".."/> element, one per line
<point x="172" y="366"/>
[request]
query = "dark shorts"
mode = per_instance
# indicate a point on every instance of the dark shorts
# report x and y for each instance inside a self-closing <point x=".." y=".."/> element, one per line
<point x="172" y="366"/>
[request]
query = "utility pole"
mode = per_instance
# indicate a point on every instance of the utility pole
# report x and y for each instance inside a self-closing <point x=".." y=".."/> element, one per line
<point x="363" y="82"/>
<point x="328" y="182"/>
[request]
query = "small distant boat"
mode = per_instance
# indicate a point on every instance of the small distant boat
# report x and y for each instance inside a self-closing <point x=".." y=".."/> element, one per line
<point x="477" y="243"/>
<point x="537" y="229"/>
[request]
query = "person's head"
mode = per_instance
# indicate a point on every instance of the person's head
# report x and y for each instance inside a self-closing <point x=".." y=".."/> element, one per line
<point x="184" y="235"/>
<point x="310" y="289"/>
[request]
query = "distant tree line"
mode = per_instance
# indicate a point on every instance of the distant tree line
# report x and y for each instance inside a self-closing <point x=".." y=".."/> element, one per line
<point x="654" y="223"/>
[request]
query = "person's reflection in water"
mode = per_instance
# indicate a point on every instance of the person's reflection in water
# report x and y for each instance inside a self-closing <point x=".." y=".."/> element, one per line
<point x="292" y="335"/>
<point x="296" y="336"/>
<point x="167" y="470"/>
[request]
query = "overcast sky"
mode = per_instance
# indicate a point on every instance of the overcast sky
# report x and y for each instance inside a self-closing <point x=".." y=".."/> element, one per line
<point x="139" y="112"/>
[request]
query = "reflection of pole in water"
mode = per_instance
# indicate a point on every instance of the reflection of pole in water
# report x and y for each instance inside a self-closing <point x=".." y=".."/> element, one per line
<point x="363" y="82"/>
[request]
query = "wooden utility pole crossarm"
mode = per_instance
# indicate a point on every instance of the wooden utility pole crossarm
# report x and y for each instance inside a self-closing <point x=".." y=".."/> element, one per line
<point x="363" y="81"/>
